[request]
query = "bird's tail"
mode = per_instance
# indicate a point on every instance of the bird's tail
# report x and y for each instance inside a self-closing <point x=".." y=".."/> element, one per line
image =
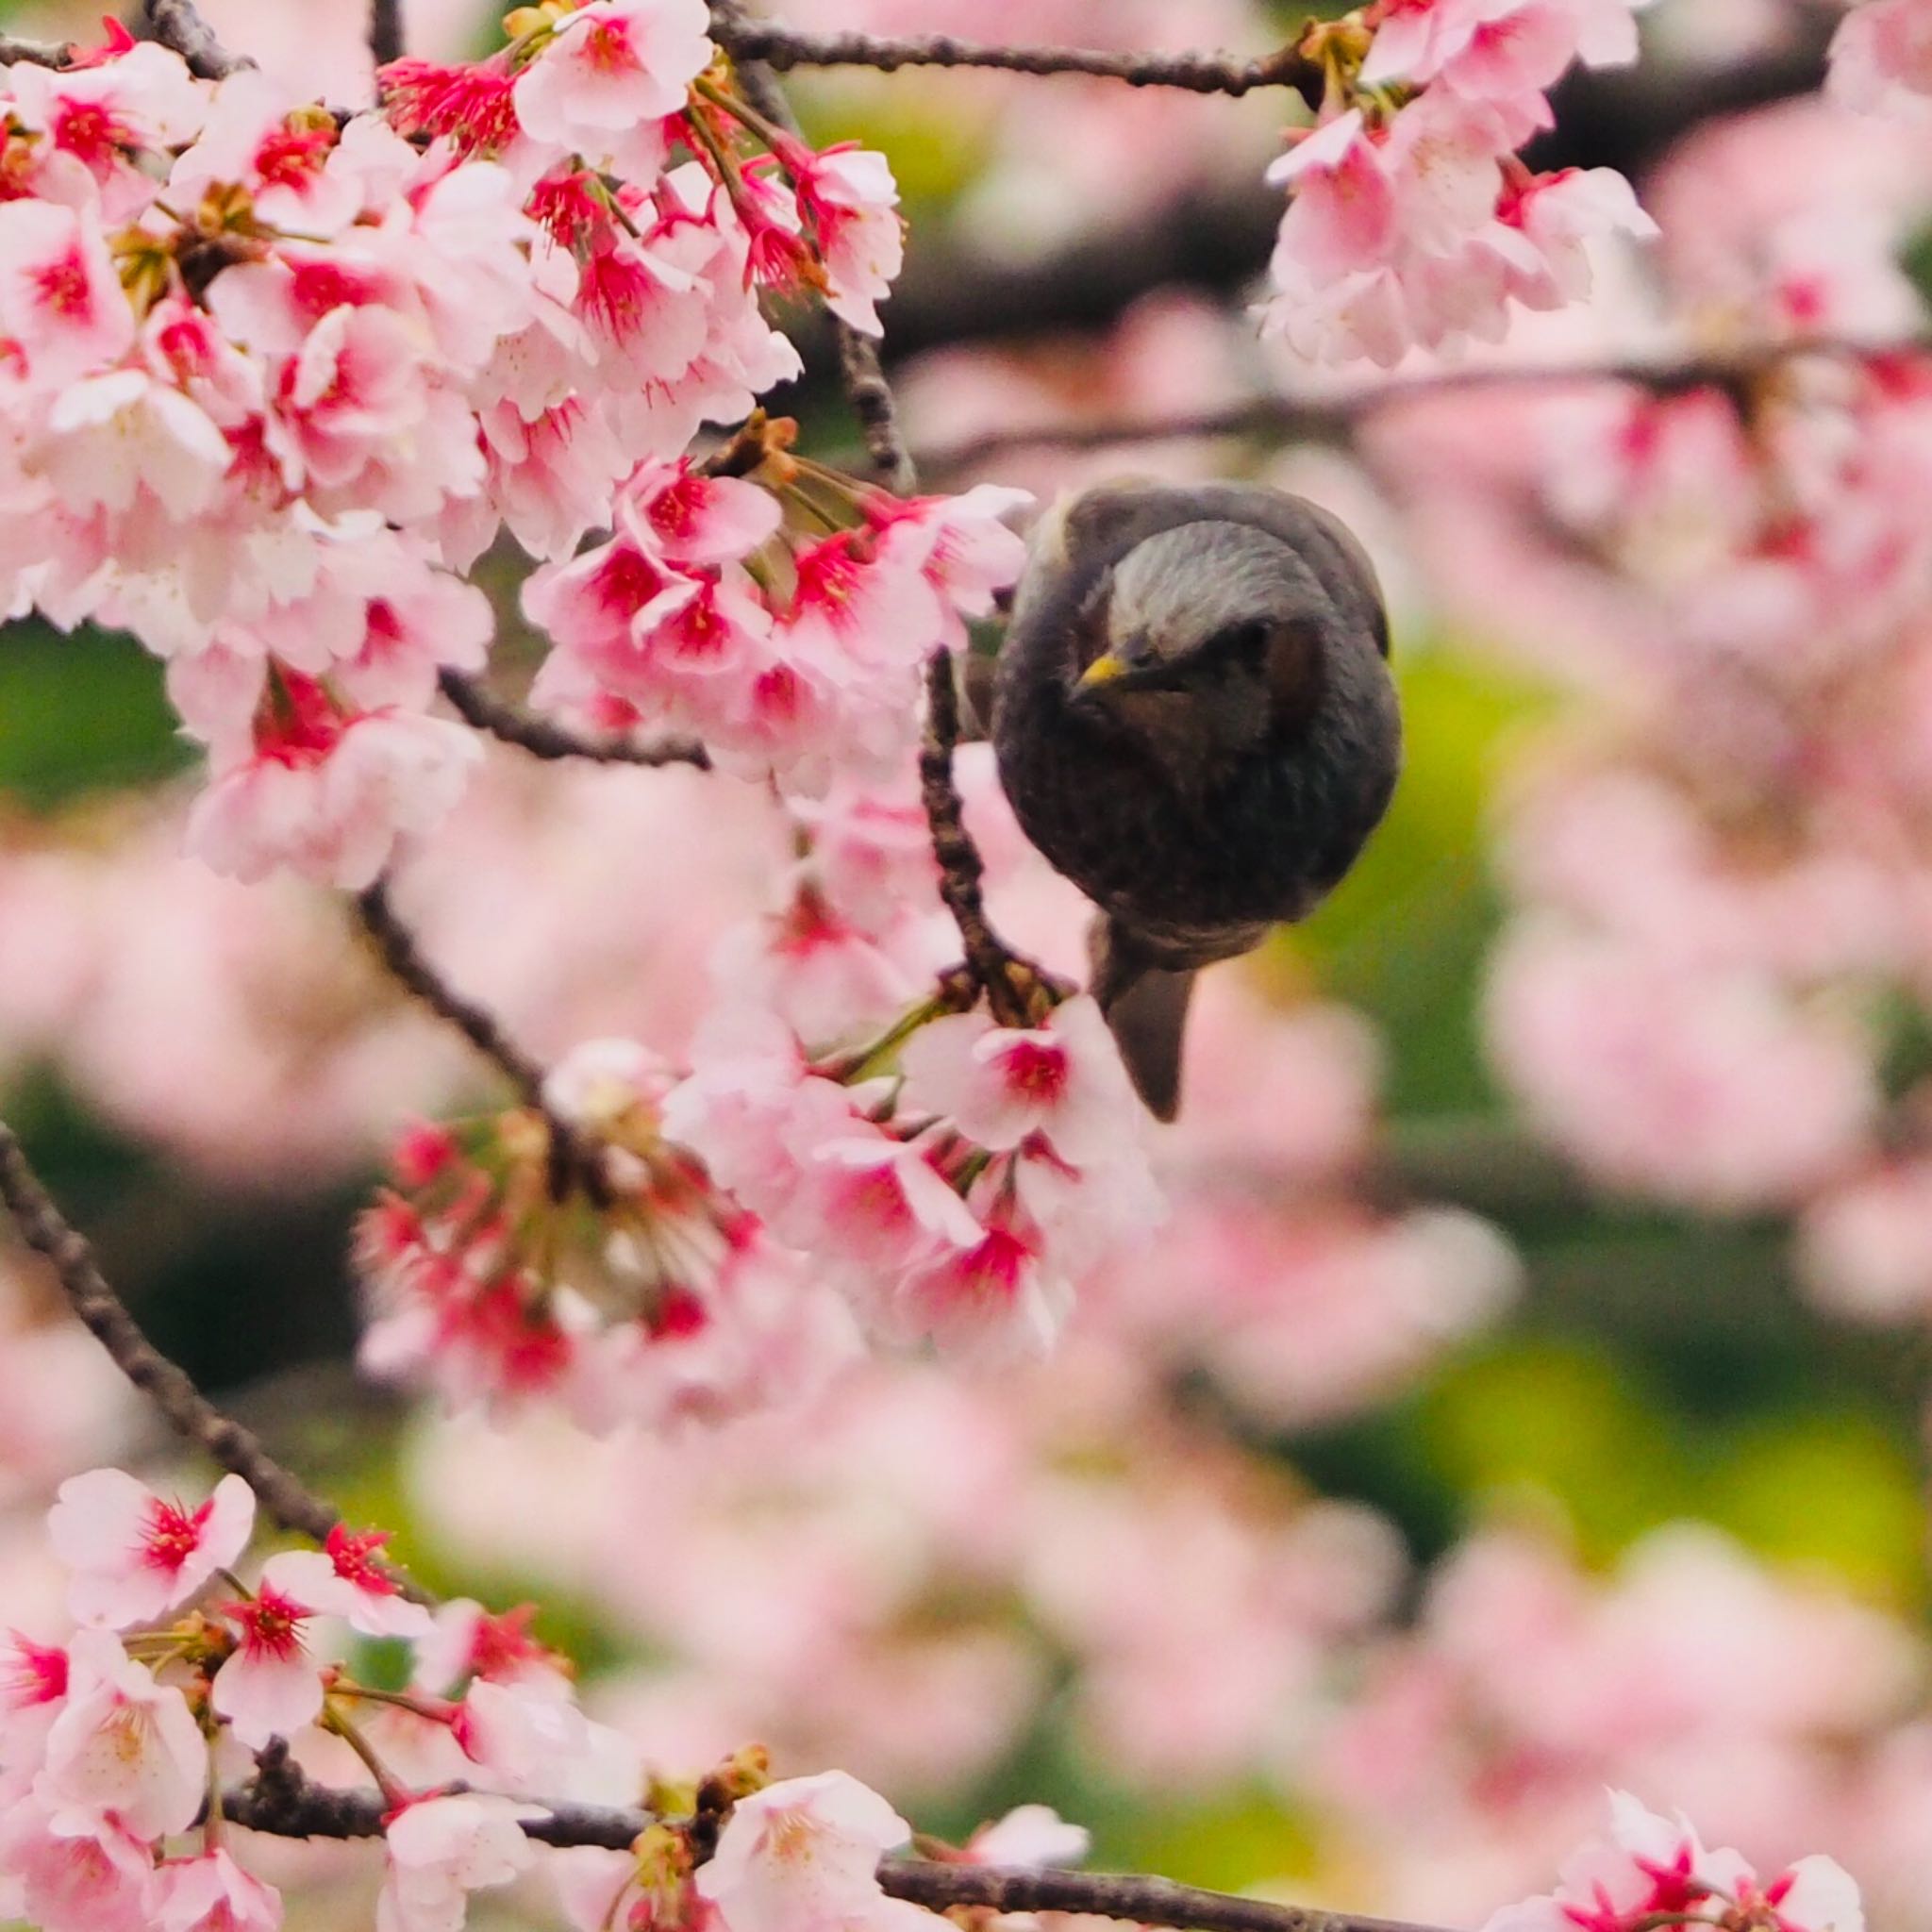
<point x="1146" y="1006"/>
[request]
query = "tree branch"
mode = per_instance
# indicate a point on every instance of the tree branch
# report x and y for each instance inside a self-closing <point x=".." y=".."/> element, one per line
<point x="187" y="1410"/>
<point x="574" y="1158"/>
<point x="286" y="1804"/>
<point x="385" y="32"/>
<point x="176" y="23"/>
<point x="940" y="1886"/>
<point x="785" y="47"/>
<point x="406" y="964"/>
<point x="35" y="53"/>
<point x="484" y="711"/>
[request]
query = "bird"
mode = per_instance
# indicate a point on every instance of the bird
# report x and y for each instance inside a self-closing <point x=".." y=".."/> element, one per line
<point x="1194" y="721"/>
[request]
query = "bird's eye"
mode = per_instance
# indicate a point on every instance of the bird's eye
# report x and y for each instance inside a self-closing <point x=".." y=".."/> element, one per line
<point x="1247" y="642"/>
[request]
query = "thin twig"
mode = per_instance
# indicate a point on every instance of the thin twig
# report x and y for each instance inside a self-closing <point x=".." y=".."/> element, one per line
<point x="407" y="965"/>
<point x="573" y="1156"/>
<point x="1001" y="975"/>
<point x="176" y="23"/>
<point x="35" y="53"/>
<point x="187" y="1410"/>
<point x="386" y="31"/>
<point x="1331" y="419"/>
<point x="786" y="48"/>
<point x="481" y="710"/>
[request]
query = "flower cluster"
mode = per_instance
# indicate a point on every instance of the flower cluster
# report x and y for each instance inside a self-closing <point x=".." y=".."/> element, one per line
<point x="607" y="1273"/>
<point x="112" y="1741"/>
<point x="1411" y="223"/>
<point x="948" y="1182"/>
<point x="273" y="376"/>
<point x="1650" y="1869"/>
<point x="788" y="652"/>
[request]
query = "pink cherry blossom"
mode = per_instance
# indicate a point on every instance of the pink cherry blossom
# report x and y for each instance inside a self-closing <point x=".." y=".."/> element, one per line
<point x="1000" y="1086"/>
<point x="125" y="1749"/>
<point x="328" y="791"/>
<point x="1034" y="1837"/>
<point x="212" y="1893"/>
<point x="77" y="1881"/>
<point x="1881" y="58"/>
<point x="62" y="309"/>
<point x="612" y="67"/>
<point x="1649" y="1865"/>
<point x="342" y="1580"/>
<point x="144" y="99"/>
<point x="803" y="1856"/>
<point x="851" y="201"/>
<point x="442" y="1849"/>
<point x="270" y="1686"/>
<point x="135" y="1556"/>
<point x="692" y="520"/>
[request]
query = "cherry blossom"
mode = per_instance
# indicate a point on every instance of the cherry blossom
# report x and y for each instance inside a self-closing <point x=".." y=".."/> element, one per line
<point x="1417" y="228"/>
<point x="124" y="1752"/>
<point x="610" y="68"/>
<point x="1649" y="1864"/>
<point x="270" y="1686"/>
<point x="803" y="1853"/>
<point x="1063" y="1080"/>
<point x="342" y="1581"/>
<point x="1034" y="1837"/>
<point x="87" y="1881"/>
<point x="440" y="1850"/>
<point x="134" y="1555"/>
<point x="1881" y="58"/>
<point x="212" y="1893"/>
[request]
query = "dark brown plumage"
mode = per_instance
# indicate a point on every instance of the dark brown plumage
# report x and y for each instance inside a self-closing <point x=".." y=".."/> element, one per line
<point x="1195" y="723"/>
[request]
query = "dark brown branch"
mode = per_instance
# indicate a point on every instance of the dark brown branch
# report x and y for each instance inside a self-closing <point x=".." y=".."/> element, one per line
<point x="786" y="48"/>
<point x="176" y="23"/>
<point x="283" y="1802"/>
<point x="480" y="708"/>
<point x="406" y="964"/>
<point x="1110" y="1895"/>
<point x="573" y="1158"/>
<point x="385" y="32"/>
<point x="281" y="1494"/>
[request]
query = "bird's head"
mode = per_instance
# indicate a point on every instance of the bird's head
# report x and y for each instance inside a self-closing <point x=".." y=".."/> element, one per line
<point x="1207" y="645"/>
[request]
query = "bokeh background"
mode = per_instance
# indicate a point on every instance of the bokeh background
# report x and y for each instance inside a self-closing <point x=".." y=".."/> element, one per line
<point x="1528" y="1391"/>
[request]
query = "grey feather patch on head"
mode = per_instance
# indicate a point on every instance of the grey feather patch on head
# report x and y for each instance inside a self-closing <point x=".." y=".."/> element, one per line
<point x="1183" y="585"/>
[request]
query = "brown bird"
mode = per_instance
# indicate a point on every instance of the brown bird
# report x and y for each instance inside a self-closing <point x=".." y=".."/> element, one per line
<point x="1195" y="723"/>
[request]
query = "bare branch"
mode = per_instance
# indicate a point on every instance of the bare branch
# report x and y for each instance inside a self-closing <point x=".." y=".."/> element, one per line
<point x="542" y="739"/>
<point x="386" y="41"/>
<point x="940" y="1886"/>
<point x="785" y="47"/>
<point x="176" y="23"/>
<point x="187" y="1410"/>
<point x="35" y="53"/>
<point x="407" y="965"/>
<point x="574" y="1158"/>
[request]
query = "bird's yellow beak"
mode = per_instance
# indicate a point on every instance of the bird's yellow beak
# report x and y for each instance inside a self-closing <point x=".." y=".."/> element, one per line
<point x="1104" y="670"/>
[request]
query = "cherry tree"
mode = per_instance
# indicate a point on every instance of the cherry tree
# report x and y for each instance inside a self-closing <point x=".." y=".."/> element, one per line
<point x="285" y="379"/>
